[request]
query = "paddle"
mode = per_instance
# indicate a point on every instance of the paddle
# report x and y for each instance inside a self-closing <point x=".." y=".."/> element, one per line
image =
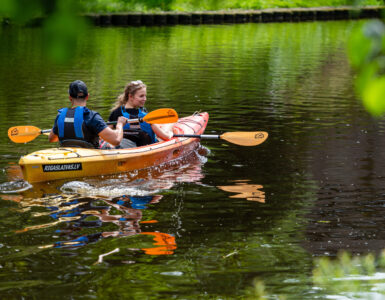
<point x="25" y="134"/>
<point x="244" y="138"/>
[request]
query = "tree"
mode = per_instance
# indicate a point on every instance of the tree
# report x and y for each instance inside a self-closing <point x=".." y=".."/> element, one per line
<point x="60" y="19"/>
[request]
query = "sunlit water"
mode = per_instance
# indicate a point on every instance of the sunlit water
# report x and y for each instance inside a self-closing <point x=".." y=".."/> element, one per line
<point x="210" y="224"/>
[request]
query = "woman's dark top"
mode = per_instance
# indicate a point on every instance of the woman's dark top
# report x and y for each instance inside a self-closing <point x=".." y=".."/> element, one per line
<point x="135" y="133"/>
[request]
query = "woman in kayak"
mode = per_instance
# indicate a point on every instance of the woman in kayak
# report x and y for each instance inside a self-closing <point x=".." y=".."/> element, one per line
<point x="79" y="126"/>
<point x="130" y="104"/>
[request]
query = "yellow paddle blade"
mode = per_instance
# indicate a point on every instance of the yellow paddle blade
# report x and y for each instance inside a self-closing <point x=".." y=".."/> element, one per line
<point x="161" y="116"/>
<point x="245" y="138"/>
<point x="23" y="134"/>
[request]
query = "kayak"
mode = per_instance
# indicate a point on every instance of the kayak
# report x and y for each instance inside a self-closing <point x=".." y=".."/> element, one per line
<point x="69" y="162"/>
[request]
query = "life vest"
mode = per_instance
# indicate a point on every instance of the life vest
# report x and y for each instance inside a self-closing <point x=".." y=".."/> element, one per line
<point x="71" y="126"/>
<point x="146" y="127"/>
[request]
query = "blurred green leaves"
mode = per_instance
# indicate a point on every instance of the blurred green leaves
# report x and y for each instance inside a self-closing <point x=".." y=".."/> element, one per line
<point x="343" y="277"/>
<point x="62" y="30"/>
<point x="21" y="11"/>
<point x="353" y="276"/>
<point x="60" y="19"/>
<point x="366" y="51"/>
<point x="96" y="6"/>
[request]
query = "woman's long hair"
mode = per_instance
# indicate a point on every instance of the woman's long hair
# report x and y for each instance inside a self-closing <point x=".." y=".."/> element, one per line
<point x="130" y="89"/>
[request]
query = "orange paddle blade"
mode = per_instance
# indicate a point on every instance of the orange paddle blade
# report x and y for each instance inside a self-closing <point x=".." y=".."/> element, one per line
<point x="23" y="134"/>
<point x="161" y="116"/>
<point x="245" y="138"/>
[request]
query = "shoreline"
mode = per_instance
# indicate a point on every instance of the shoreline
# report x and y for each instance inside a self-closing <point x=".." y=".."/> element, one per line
<point x="236" y="16"/>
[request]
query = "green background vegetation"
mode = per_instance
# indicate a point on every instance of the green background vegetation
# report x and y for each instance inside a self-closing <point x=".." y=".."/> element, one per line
<point x="23" y="10"/>
<point x="204" y="5"/>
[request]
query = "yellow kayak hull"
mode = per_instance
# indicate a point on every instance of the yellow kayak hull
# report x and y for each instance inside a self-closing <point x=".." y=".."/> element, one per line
<point x="63" y="163"/>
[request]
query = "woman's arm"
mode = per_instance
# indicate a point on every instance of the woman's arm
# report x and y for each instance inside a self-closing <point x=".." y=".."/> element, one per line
<point x="164" y="132"/>
<point x="53" y="137"/>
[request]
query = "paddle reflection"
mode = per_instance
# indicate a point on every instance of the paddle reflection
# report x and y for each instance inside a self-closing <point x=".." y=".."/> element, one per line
<point x="82" y="214"/>
<point x="252" y="192"/>
<point x="88" y="210"/>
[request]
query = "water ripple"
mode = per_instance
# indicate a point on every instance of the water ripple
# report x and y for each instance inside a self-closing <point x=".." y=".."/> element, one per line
<point x="14" y="186"/>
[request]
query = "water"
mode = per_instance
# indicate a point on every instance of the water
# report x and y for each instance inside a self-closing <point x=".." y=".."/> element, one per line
<point x="211" y="224"/>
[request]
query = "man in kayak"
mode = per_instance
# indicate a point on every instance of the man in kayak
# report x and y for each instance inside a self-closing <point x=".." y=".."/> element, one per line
<point x="79" y="126"/>
<point x="130" y="104"/>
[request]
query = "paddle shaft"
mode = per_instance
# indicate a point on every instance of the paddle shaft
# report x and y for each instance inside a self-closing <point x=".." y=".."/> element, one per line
<point x="242" y="138"/>
<point x="199" y="136"/>
<point x="108" y="123"/>
<point x="140" y="120"/>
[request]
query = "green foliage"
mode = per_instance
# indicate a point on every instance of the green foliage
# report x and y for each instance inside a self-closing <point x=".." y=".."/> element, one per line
<point x="21" y="11"/>
<point x="367" y="56"/>
<point x="257" y="291"/>
<point x="62" y="26"/>
<point x="356" y="277"/>
<point x="61" y="31"/>
<point x="95" y="6"/>
<point x="351" y="276"/>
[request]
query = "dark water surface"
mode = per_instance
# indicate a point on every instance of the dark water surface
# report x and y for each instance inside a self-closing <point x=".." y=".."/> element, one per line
<point x="209" y="225"/>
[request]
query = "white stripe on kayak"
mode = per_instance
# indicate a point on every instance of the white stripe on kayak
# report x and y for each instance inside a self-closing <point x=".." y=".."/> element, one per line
<point x="115" y="152"/>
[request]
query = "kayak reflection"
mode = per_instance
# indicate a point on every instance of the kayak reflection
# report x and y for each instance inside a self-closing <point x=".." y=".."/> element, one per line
<point x="85" y="211"/>
<point x="84" y="214"/>
<point x="251" y="192"/>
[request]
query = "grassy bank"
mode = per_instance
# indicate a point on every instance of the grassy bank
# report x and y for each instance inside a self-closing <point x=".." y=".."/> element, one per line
<point x="99" y="6"/>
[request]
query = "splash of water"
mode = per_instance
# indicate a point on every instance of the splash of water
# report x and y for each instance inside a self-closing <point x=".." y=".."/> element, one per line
<point x="109" y="189"/>
<point x="14" y="186"/>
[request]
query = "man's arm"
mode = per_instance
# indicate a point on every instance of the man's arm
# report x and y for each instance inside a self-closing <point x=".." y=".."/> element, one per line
<point x="114" y="136"/>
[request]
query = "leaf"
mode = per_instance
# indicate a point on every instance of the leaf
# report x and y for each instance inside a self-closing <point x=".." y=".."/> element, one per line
<point x="365" y="76"/>
<point x="358" y="47"/>
<point x="374" y="96"/>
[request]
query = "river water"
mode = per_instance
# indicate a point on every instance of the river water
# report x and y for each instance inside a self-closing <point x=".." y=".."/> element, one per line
<point x="210" y="225"/>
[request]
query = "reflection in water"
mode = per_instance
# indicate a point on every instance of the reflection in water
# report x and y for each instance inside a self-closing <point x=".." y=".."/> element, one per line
<point x="88" y="210"/>
<point x="165" y="242"/>
<point x="80" y="214"/>
<point x="251" y="192"/>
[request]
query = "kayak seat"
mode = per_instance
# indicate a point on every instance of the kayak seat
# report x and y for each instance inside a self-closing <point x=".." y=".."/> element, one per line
<point x="76" y="144"/>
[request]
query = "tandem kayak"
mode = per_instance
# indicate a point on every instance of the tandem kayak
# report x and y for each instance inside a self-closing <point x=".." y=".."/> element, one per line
<point x="69" y="162"/>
